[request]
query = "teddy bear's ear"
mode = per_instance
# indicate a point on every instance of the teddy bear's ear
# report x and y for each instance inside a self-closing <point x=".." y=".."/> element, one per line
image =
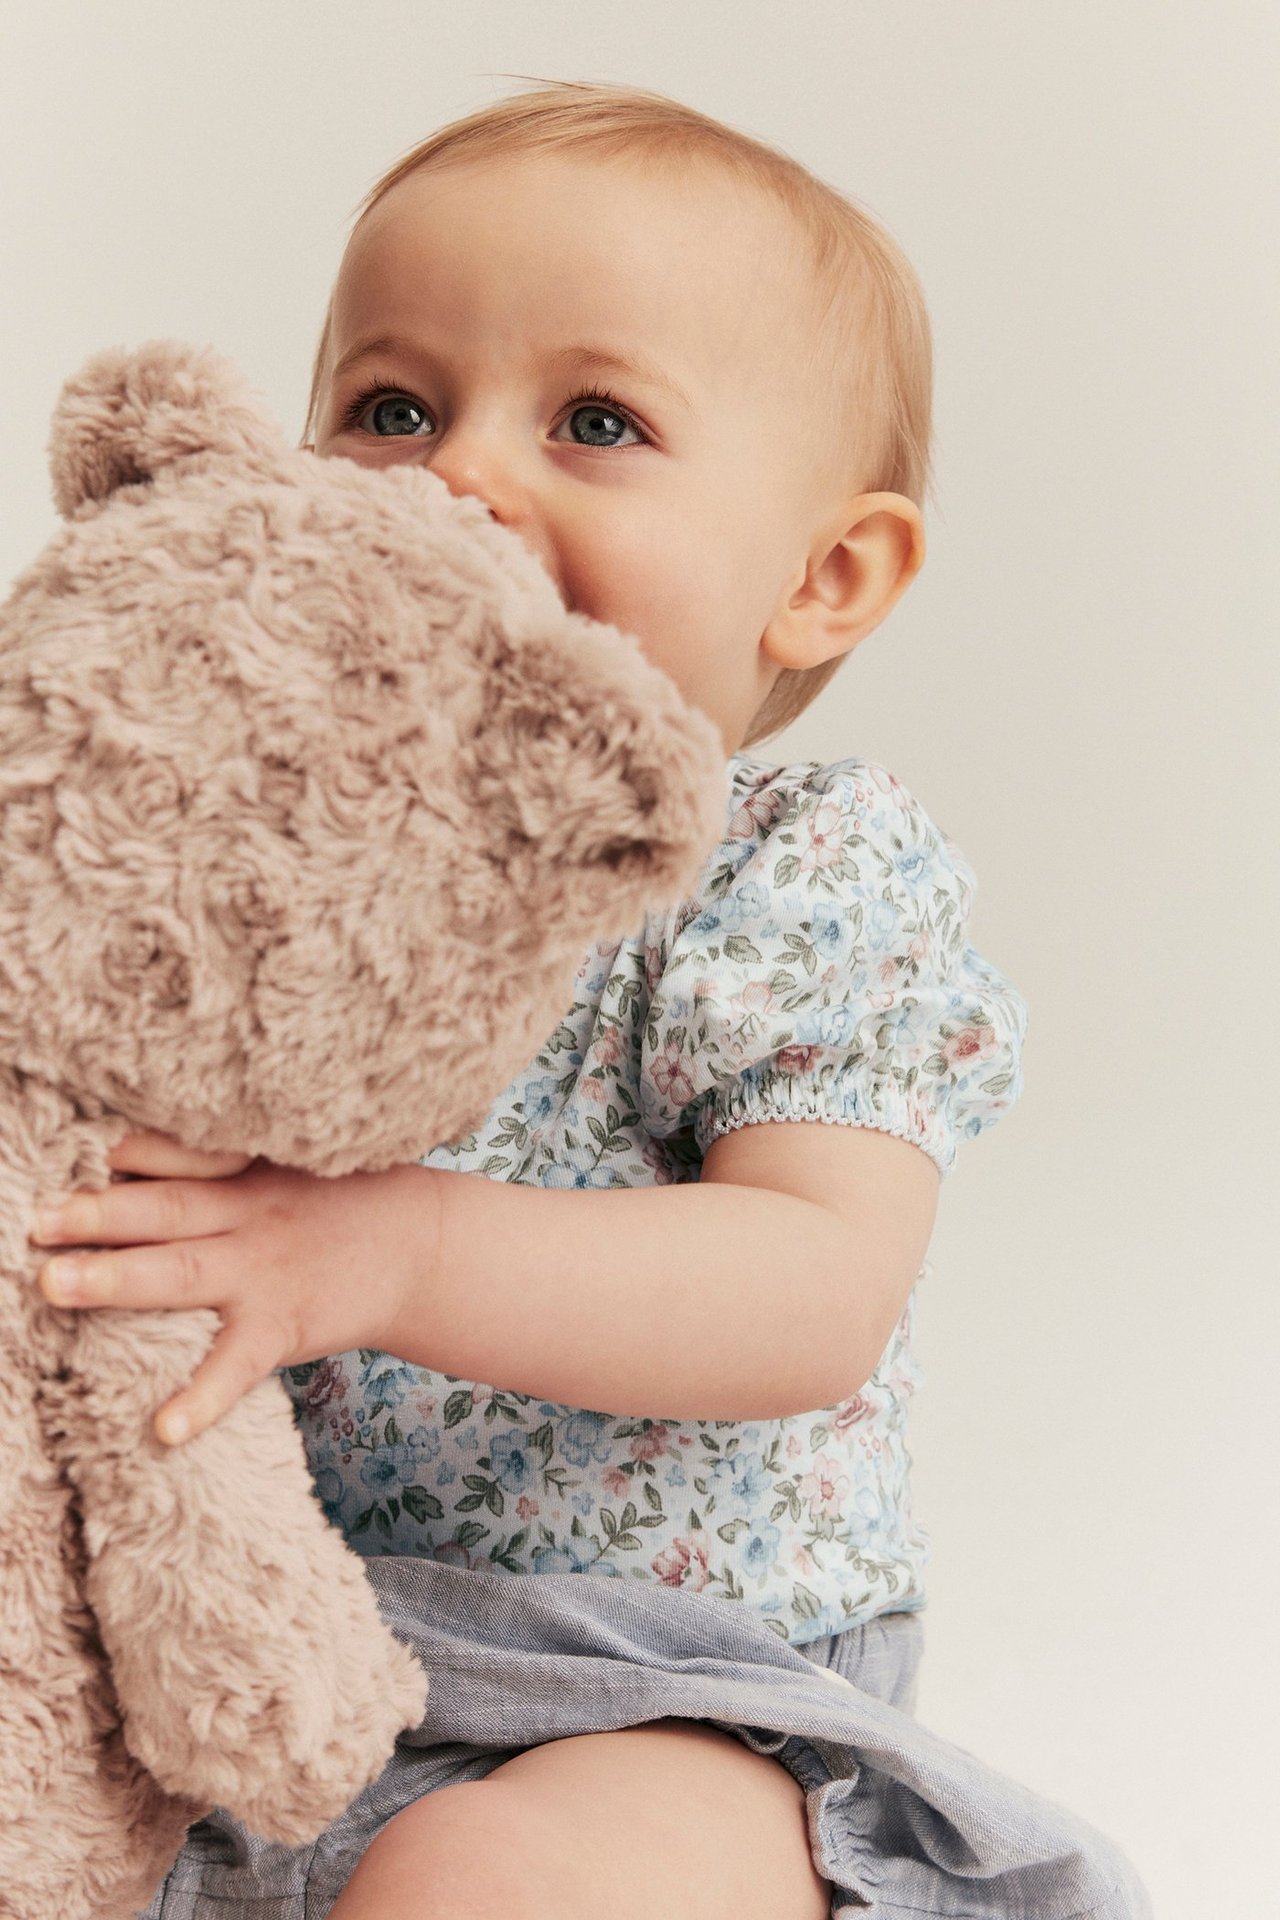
<point x="126" y="415"/>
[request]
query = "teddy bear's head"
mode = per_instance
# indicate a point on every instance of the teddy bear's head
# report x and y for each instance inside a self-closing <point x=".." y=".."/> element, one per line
<point x="312" y="792"/>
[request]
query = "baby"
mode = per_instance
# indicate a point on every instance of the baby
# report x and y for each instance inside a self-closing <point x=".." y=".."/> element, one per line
<point x="695" y="381"/>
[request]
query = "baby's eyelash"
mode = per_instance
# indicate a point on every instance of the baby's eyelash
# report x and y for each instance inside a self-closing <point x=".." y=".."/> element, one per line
<point x="377" y="389"/>
<point x="374" y="390"/>
<point x="603" y="398"/>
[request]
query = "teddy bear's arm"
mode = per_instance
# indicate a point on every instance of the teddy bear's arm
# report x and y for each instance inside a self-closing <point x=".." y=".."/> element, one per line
<point x="252" y="1668"/>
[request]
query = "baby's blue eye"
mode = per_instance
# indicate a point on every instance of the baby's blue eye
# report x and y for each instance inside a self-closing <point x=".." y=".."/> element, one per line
<point x="396" y="416"/>
<point x="600" y="425"/>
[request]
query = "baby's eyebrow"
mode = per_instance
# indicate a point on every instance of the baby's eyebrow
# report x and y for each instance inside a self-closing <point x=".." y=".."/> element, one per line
<point x="587" y="359"/>
<point x="632" y="366"/>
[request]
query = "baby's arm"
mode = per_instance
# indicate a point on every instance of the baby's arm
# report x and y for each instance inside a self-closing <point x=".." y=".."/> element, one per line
<point x="769" y="1287"/>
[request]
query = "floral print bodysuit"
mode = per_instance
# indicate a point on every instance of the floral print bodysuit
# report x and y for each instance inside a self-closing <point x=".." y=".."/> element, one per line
<point x="820" y="971"/>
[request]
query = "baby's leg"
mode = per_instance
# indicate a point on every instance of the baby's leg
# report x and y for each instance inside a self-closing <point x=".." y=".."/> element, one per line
<point x="668" y="1818"/>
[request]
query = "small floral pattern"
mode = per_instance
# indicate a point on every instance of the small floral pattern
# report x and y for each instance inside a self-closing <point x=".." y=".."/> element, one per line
<point x="820" y="970"/>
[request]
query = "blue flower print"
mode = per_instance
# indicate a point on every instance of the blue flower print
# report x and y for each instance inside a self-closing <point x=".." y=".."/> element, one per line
<point x="708" y="921"/>
<point x="330" y="1487"/>
<point x="509" y="1457"/>
<point x="540" y="1100"/>
<point x="381" y="1472"/>
<point x="826" y="1026"/>
<point x="881" y="925"/>
<point x="827" y="930"/>
<point x="913" y="863"/>
<point x="749" y="902"/>
<point x="424" y="1443"/>
<point x="759" y="1548"/>
<point x="557" y="1560"/>
<point x="583" y="1438"/>
<point x="866" y="1517"/>
<point x="385" y="1378"/>
<point x="740" y="1478"/>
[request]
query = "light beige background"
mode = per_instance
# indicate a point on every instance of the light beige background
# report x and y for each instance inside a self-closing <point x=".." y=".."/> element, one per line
<point x="1080" y="687"/>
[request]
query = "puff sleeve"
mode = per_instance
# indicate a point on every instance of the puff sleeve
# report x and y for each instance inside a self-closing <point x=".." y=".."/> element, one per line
<point x="823" y="971"/>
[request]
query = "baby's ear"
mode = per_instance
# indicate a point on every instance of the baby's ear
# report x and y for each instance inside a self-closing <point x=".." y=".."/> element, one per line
<point x="126" y="415"/>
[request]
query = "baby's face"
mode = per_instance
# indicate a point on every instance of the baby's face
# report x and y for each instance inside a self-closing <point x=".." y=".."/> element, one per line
<point x="614" y="363"/>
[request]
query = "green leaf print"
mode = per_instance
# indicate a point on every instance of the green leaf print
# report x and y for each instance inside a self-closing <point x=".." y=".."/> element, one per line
<point x="391" y="1433"/>
<point x="805" y="1604"/>
<point x="652" y="1495"/>
<point x="729" y="1530"/>
<point x="738" y="947"/>
<point x="458" y="1407"/>
<point x="420" y="1504"/>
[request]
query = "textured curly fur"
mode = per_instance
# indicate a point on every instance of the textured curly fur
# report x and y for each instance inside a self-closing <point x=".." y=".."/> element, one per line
<point x="312" y="794"/>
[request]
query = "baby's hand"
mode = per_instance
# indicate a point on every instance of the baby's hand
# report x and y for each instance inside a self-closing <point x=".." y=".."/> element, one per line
<point x="298" y="1266"/>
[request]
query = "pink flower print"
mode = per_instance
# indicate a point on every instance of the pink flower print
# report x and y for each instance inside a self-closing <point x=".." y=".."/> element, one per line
<point x="797" y="1059"/>
<point x="607" y="1046"/>
<point x="527" y="1509"/>
<point x="850" y="1412"/>
<point x="825" y="1487"/>
<point x="652" y="968"/>
<point x="682" y="1564"/>
<point x="889" y="968"/>
<point x="880" y="1001"/>
<point x="671" y="1076"/>
<point x="969" y="1045"/>
<point x="593" y="1088"/>
<point x="756" y="810"/>
<point x="755" y="1001"/>
<point x="888" y="783"/>
<point x="918" y="949"/>
<point x="450" y="1554"/>
<point x="480" y="1396"/>
<point x="792" y="1447"/>
<point x="329" y="1380"/>
<point x="826" y="836"/>
<point x="655" y="1159"/>
<point x="802" y="1560"/>
<point x="685" y="1439"/>
<point x="652" y="1444"/>
<point x="828" y="975"/>
<point x="615" y="1482"/>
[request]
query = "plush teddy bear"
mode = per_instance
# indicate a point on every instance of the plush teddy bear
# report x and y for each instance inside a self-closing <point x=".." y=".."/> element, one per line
<point x="312" y="796"/>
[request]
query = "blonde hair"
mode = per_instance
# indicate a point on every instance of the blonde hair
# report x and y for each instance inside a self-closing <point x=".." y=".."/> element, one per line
<point x="872" y="335"/>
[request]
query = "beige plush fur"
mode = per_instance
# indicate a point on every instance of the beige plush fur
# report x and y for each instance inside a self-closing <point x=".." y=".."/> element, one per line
<point x="312" y="796"/>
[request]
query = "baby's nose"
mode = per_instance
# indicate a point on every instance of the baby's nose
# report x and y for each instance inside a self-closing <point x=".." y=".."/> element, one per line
<point x="474" y="468"/>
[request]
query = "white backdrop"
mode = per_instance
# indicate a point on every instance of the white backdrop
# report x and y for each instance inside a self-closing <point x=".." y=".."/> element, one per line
<point x="1080" y="687"/>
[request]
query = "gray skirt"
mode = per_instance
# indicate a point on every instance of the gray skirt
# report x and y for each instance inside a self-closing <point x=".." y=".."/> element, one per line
<point x="900" y="1821"/>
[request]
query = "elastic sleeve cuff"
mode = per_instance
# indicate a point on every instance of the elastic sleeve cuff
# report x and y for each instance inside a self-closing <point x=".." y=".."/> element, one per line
<point x="847" y="1100"/>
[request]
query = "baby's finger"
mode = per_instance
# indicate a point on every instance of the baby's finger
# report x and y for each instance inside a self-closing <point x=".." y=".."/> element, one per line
<point x="165" y="1158"/>
<point x="131" y="1212"/>
<point x="136" y="1280"/>
<point x="237" y="1361"/>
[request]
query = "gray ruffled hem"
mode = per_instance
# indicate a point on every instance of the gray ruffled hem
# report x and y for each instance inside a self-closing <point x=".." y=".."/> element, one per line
<point x="901" y="1822"/>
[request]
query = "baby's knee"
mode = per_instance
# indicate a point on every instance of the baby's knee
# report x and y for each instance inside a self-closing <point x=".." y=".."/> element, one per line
<point x="437" y="1860"/>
